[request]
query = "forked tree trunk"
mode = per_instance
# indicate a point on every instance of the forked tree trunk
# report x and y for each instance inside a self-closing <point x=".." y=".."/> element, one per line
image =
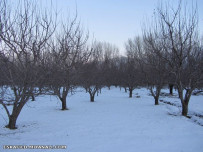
<point x="156" y="94"/>
<point x="63" y="101"/>
<point x="92" y="92"/>
<point x="185" y="100"/>
<point x="62" y="96"/>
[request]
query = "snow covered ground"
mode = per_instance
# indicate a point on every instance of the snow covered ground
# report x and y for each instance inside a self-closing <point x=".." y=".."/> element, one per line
<point x="113" y="123"/>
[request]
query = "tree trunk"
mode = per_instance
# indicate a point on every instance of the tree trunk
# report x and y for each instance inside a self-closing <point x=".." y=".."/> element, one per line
<point x="15" y="113"/>
<point x="92" y="98"/>
<point x="156" y="94"/>
<point x="185" y="100"/>
<point x="156" y="100"/>
<point x="12" y="122"/>
<point x="33" y="98"/>
<point x="64" y="105"/>
<point x="185" y="105"/>
<point x="63" y="101"/>
<point x="92" y="93"/>
<point x="184" y="109"/>
<point x="171" y="89"/>
<point x="130" y="93"/>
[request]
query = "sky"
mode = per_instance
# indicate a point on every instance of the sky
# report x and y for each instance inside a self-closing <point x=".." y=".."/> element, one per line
<point x="113" y="21"/>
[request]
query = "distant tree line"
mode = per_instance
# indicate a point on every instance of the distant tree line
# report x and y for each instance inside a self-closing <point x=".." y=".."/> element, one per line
<point x="39" y="55"/>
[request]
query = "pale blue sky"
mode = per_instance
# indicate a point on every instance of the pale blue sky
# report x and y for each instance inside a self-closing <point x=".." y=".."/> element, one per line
<point x="113" y="21"/>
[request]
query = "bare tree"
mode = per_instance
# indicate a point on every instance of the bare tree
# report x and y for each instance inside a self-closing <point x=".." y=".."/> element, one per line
<point x="176" y="29"/>
<point x="92" y="79"/>
<point x="132" y="74"/>
<point x="24" y="33"/>
<point x="97" y="72"/>
<point x="154" y="68"/>
<point x="109" y="67"/>
<point x="68" y="51"/>
<point x="92" y="74"/>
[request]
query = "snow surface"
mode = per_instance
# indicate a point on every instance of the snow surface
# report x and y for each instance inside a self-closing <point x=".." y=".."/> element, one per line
<point x="113" y="123"/>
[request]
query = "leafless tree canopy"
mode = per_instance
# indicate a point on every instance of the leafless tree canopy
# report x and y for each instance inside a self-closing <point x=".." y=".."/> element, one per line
<point x="24" y="35"/>
<point x="68" y="51"/>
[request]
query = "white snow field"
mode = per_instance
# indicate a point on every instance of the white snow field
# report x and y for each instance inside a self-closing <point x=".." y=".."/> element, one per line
<point x="113" y="123"/>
